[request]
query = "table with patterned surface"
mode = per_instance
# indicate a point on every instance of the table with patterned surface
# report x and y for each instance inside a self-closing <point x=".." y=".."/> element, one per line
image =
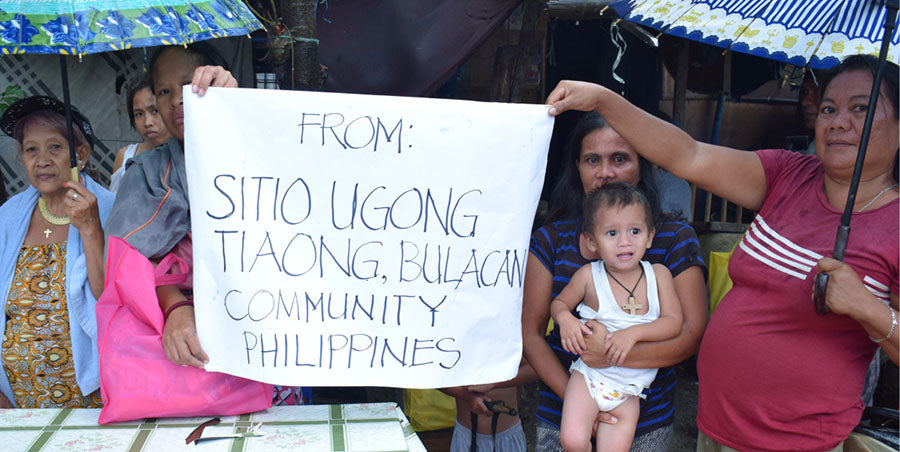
<point x="352" y="427"/>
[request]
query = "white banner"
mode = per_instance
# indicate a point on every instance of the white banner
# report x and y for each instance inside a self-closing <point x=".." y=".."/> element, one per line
<point x="353" y="240"/>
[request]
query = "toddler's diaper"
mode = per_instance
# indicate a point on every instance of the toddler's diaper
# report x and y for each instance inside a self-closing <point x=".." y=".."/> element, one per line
<point x="607" y="394"/>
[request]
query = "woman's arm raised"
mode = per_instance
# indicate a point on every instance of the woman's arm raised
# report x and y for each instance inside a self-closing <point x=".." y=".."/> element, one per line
<point x="732" y="174"/>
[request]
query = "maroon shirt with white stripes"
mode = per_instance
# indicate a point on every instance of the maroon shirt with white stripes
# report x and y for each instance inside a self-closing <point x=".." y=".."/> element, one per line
<point x="774" y="375"/>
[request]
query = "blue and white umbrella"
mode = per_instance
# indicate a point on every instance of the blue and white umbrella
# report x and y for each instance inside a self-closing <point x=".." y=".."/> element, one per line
<point x="814" y="33"/>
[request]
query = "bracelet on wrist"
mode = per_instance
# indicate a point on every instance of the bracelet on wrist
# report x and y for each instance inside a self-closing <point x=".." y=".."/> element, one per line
<point x="893" y="327"/>
<point x="176" y="306"/>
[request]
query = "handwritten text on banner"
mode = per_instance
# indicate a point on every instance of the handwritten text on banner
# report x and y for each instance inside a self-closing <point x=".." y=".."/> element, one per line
<point x="347" y="240"/>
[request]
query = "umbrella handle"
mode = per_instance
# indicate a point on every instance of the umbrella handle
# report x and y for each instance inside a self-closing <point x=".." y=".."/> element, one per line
<point x="64" y="74"/>
<point x="73" y="161"/>
<point x="819" y="293"/>
<point x="821" y="283"/>
<point x="843" y="233"/>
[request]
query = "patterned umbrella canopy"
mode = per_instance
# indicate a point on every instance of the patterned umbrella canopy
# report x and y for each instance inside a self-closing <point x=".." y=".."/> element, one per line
<point x="78" y="27"/>
<point x="818" y="33"/>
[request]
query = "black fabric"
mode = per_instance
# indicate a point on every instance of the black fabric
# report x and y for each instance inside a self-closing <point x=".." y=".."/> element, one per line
<point x="400" y="47"/>
<point x="495" y="417"/>
<point x="33" y="104"/>
<point x="474" y="446"/>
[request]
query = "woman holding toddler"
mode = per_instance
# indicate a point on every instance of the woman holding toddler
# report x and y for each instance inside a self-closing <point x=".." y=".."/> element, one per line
<point x="598" y="155"/>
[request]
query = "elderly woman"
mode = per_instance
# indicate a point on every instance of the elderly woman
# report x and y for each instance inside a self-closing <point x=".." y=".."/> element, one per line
<point x="599" y="155"/>
<point x="51" y="264"/>
<point x="774" y="375"/>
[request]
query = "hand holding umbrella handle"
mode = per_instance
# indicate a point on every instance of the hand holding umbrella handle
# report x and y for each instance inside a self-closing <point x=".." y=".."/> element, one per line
<point x="821" y="283"/>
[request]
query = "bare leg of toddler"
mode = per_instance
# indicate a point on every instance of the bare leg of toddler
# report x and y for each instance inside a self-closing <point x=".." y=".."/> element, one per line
<point x="579" y="412"/>
<point x="618" y="436"/>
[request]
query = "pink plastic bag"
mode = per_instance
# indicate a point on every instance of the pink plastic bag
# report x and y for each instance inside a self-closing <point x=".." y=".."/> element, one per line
<point x="136" y="379"/>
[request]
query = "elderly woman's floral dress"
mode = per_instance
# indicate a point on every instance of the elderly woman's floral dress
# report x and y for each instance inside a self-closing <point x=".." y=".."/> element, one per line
<point x="37" y="347"/>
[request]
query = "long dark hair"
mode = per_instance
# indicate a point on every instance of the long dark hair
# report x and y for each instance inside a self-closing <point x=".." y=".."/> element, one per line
<point x="889" y="81"/>
<point x="567" y="197"/>
<point x="134" y="86"/>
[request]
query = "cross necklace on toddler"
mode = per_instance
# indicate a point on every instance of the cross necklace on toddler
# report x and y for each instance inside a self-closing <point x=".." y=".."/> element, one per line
<point x="631" y="306"/>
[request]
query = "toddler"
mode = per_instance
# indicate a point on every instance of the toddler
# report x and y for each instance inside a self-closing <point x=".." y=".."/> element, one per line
<point x="634" y="300"/>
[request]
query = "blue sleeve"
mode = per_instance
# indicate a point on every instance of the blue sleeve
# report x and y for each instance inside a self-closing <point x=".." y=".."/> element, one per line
<point x="541" y="247"/>
<point x="684" y="250"/>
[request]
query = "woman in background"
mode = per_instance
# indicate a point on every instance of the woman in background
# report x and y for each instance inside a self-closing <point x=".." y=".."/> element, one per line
<point x="144" y="117"/>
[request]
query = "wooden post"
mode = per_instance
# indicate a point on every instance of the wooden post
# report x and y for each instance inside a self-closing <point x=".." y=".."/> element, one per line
<point x="726" y="93"/>
<point x="300" y="19"/>
<point x="529" y="38"/>
<point x="504" y="73"/>
<point x="681" y="75"/>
